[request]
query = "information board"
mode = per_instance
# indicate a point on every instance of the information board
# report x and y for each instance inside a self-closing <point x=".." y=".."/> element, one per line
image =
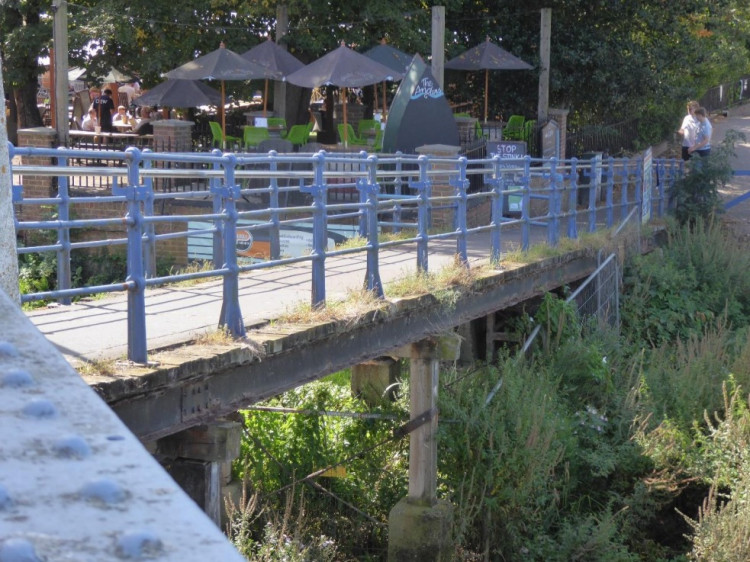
<point x="510" y="153"/>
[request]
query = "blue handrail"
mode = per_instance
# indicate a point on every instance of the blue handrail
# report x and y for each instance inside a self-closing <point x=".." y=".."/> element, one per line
<point x="389" y="192"/>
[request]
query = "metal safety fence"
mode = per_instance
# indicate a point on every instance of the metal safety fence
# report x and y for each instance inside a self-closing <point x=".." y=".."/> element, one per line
<point x="254" y="197"/>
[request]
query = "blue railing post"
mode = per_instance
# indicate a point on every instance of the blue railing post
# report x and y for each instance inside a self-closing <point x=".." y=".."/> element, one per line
<point x="398" y="190"/>
<point x="63" y="231"/>
<point x="137" y="341"/>
<point x="638" y="193"/>
<point x="217" y="194"/>
<point x="231" y="315"/>
<point x="320" y="236"/>
<point x="363" y="219"/>
<point x="526" y="205"/>
<point x="496" y="209"/>
<point x="149" y="249"/>
<point x="423" y="189"/>
<point x="274" y="229"/>
<point x="369" y="189"/>
<point x="625" y="173"/>
<point x="573" y="200"/>
<point x="460" y="185"/>
<point x="595" y="185"/>
<point x="610" y="191"/>
<point x="553" y="226"/>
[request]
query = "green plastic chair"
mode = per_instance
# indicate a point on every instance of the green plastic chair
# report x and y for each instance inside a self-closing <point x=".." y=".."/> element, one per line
<point x="377" y="146"/>
<point x="514" y="128"/>
<point x="350" y="137"/>
<point x="367" y="125"/>
<point x="218" y="138"/>
<point x="299" y="134"/>
<point x="278" y="122"/>
<point x="528" y="131"/>
<point x="254" y="135"/>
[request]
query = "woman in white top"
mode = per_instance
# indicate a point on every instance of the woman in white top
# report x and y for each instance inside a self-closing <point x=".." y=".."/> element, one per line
<point x="689" y="129"/>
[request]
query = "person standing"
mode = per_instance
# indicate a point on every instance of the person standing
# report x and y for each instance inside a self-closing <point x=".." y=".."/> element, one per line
<point x="105" y="108"/>
<point x="689" y="129"/>
<point x="702" y="145"/>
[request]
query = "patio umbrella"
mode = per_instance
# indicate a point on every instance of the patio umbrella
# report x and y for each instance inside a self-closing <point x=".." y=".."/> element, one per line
<point x="390" y="57"/>
<point x="345" y="68"/>
<point x="487" y="56"/>
<point x="273" y="57"/>
<point x="221" y="64"/>
<point x="115" y="75"/>
<point x="180" y="93"/>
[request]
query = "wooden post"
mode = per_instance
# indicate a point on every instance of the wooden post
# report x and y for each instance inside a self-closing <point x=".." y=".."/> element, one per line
<point x="438" y="44"/>
<point x="60" y="94"/>
<point x="279" y="87"/>
<point x="422" y="443"/>
<point x="544" y="56"/>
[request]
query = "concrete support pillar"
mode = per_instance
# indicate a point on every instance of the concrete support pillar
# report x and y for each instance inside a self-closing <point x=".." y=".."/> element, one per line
<point x="419" y="525"/>
<point x="442" y="218"/>
<point x="199" y="459"/>
<point x="374" y="380"/>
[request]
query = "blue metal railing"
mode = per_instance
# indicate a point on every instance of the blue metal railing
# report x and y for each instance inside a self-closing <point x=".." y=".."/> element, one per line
<point x="426" y="195"/>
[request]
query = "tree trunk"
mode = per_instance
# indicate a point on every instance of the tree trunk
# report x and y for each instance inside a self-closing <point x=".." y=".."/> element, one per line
<point x="28" y="113"/>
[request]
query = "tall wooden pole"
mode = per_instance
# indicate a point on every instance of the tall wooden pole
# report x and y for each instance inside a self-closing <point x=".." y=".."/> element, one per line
<point x="544" y="54"/>
<point x="279" y="87"/>
<point x="60" y="38"/>
<point x="438" y="44"/>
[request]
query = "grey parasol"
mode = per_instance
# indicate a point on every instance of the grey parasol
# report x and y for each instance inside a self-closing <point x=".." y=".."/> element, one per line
<point x="487" y="56"/>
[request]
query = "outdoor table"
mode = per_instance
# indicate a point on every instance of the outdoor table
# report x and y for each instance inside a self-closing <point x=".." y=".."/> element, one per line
<point x="369" y="136"/>
<point x="275" y="131"/>
<point x="123" y="127"/>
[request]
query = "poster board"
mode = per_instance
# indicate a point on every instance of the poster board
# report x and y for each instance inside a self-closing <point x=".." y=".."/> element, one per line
<point x="510" y="152"/>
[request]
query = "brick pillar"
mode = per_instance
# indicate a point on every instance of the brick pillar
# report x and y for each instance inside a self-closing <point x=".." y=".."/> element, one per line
<point x="36" y="186"/>
<point x="442" y="218"/>
<point x="173" y="135"/>
<point x="561" y="117"/>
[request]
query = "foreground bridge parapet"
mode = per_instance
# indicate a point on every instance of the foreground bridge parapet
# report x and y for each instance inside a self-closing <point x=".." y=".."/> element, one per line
<point x="75" y="483"/>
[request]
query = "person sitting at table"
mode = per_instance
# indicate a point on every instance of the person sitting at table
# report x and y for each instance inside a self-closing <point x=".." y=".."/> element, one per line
<point x="90" y="122"/>
<point x="144" y="126"/>
<point x="123" y="118"/>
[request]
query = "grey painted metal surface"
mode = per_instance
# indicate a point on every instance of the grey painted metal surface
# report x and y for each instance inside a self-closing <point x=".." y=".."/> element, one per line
<point x="75" y="484"/>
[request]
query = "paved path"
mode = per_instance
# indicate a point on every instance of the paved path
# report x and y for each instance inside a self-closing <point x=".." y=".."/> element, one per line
<point x="738" y="120"/>
<point x="97" y="329"/>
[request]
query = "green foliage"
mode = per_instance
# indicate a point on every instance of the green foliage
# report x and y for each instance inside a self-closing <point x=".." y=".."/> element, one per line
<point x="680" y="289"/>
<point x="696" y="195"/>
<point x="280" y="449"/>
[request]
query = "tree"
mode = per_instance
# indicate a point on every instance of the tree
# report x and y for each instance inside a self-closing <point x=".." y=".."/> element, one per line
<point x="26" y="31"/>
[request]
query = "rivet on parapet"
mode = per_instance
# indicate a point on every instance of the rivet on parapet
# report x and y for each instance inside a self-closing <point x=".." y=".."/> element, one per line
<point x="138" y="544"/>
<point x="8" y="349"/>
<point x="73" y="446"/>
<point x="40" y="409"/>
<point x="18" y="550"/>
<point x="5" y="500"/>
<point x="104" y="490"/>
<point x="16" y="378"/>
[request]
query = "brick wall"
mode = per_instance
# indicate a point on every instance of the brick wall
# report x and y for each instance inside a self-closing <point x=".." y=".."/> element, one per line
<point x="36" y="186"/>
